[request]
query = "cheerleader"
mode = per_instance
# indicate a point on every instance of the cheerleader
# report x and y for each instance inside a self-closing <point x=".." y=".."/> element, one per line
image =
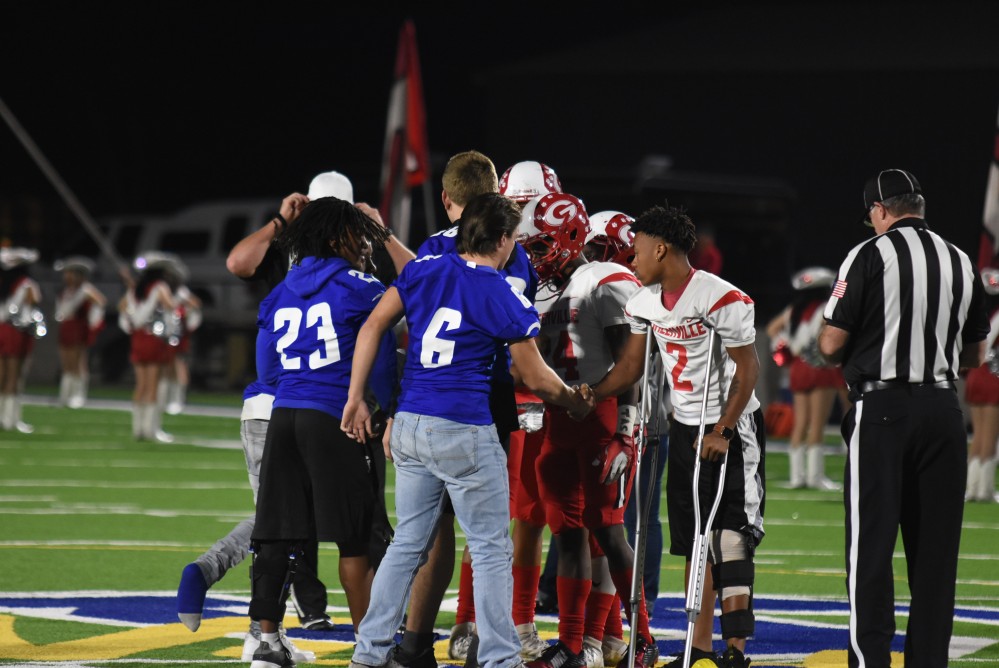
<point x="177" y="376"/>
<point x="148" y="312"/>
<point x="814" y="386"/>
<point x="981" y="392"/>
<point x="20" y="324"/>
<point x="79" y="310"/>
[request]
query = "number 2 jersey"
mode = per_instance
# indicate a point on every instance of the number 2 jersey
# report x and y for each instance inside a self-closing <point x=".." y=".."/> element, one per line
<point x="458" y="314"/>
<point x="573" y="320"/>
<point x="683" y="340"/>
<point x="314" y="316"/>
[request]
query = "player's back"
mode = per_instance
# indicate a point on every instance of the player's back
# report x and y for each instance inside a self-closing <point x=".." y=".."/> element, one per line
<point x="457" y="313"/>
<point x="315" y="315"/>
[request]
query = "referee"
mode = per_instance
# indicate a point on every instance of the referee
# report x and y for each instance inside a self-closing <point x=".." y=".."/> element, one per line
<point x="906" y="312"/>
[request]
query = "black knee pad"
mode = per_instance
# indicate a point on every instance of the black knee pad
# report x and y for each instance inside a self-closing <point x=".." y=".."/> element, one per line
<point x="739" y="573"/>
<point x="738" y="624"/>
<point x="271" y="575"/>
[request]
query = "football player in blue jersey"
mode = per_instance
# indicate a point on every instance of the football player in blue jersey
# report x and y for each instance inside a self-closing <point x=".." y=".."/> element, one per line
<point x="314" y="481"/>
<point x="442" y="437"/>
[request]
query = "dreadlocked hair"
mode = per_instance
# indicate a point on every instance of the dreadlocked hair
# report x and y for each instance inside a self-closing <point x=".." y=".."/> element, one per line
<point x="327" y="227"/>
<point x="669" y="223"/>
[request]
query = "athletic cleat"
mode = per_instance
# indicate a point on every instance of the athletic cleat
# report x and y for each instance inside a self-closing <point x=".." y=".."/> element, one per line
<point x="593" y="653"/>
<point x="531" y="644"/>
<point x="826" y="485"/>
<point x="422" y="659"/>
<point x="162" y="437"/>
<point x="252" y="642"/>
<point x="460" y="640"/>
<point x="271" y="656"/>
<point x="472" y="658"/>
<point x="646" y="655"/>
<point x="614" y="650"/>
<point x="320" y="622"/>
<point x="695" y="656"/>
<point x="733" y="658"/>
<point x="558" y="656"/>
<point x="191" y="596"/>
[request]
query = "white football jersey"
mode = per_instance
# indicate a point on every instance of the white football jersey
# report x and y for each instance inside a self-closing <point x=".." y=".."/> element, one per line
<point x="683" y="339"/>
<point x="572" y="338"/>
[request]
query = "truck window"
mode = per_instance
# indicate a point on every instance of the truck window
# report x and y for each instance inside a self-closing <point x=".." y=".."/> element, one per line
<point x="186" y="243"/>
<point x="235" y="229"/>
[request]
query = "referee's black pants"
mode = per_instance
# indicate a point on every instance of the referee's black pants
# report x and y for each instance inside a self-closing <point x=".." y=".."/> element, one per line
<point x="906" y="467"/>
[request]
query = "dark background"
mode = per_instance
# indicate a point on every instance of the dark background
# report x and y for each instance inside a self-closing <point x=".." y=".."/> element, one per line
<point x="764" y="119"/>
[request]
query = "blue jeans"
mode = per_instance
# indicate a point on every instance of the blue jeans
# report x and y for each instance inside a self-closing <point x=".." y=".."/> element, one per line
<point x="432" y="455"/>
<point x="654" y="530"/>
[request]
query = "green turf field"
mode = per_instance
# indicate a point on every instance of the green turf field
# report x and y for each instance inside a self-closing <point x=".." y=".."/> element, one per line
<point x="87" y="514"/>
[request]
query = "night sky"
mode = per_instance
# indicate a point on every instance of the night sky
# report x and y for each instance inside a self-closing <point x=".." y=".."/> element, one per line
<point x="148" y="113"/>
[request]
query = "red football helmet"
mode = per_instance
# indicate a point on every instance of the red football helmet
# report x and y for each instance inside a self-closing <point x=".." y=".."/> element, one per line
<point x="528" y="179"/>
<point x="552" y="230"/>
<point x="610" y="238"/>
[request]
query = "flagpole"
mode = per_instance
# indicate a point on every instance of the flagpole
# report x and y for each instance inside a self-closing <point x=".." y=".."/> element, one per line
<point x="64" y="191"/>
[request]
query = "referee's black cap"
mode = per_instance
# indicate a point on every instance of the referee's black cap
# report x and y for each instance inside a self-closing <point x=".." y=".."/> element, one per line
<point x="886" y="184"/>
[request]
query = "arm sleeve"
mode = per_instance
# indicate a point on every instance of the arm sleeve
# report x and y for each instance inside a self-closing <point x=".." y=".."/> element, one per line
<point x="610" y="299"/>
<point x="637" y="324"/>
<point x="516" y="318"/>
<point x="845" y="307"/>
<point x="733" y="316"/>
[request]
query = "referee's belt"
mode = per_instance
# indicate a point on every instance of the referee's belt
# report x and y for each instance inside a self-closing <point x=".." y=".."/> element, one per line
<point x="875" y="385"/>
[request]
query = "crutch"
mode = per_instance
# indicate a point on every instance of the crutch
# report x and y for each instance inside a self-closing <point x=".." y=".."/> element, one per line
<point x="644" y="407"/>
<point x="699" y="557"/>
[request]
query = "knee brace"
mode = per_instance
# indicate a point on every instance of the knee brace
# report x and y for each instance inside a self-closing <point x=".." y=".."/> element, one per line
<point x="738" y="624"/>
<point x="732" y="564"/>
<point x="271" y="574"/>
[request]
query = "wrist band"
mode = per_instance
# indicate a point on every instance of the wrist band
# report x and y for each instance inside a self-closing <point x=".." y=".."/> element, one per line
<point x="279" y="221"/>
<point x="626" y="416"/>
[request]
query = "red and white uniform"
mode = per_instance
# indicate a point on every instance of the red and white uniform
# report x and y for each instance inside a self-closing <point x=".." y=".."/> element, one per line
<point x="982" y="386"/>
<point x="683" y="340"/>
<point x="14" y="341"/>
<point x="805" y="377"/>
<point x="575" y="345"/>
<point x="80" y="319"/>
<point x="137" y="318"/>
<point x="573" y="321"/>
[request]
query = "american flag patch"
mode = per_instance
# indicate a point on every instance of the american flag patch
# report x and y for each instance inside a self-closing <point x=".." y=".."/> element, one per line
<point x="839" y="289"/>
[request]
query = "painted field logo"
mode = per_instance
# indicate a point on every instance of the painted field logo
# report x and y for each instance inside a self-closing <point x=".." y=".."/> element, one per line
<point x="789" y="631"/>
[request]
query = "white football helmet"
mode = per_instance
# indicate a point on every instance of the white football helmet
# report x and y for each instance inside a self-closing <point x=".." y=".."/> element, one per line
<point x="553" y="229"/>
<point x="610" y="238"/>
<point x="528" y="179"/>
<point x="813" y="277"/>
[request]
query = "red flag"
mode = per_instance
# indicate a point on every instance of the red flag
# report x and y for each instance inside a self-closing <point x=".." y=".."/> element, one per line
<point x="406" y="160"/>
<point x="988" y="254"/>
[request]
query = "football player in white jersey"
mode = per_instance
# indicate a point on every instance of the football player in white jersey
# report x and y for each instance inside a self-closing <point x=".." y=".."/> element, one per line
<point x="687" y="309"/>
<point x="584" y="470"/>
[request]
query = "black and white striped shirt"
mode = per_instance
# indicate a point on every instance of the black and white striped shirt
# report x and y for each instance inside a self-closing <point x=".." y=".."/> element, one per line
<point x="910" y="301"/>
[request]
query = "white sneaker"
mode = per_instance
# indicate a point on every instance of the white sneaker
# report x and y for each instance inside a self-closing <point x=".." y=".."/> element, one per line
<point x="593" y="653"/>
<point x="24" y="427"/>
<point x="825" y="484"/>
<point x="614" y="650"/>
<point x="531" y="644"/>
<point x="460" y="640"/>
<point x="174" y="408"/>
<point x="252" y="642"/>
<point x="162" y="437"/>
